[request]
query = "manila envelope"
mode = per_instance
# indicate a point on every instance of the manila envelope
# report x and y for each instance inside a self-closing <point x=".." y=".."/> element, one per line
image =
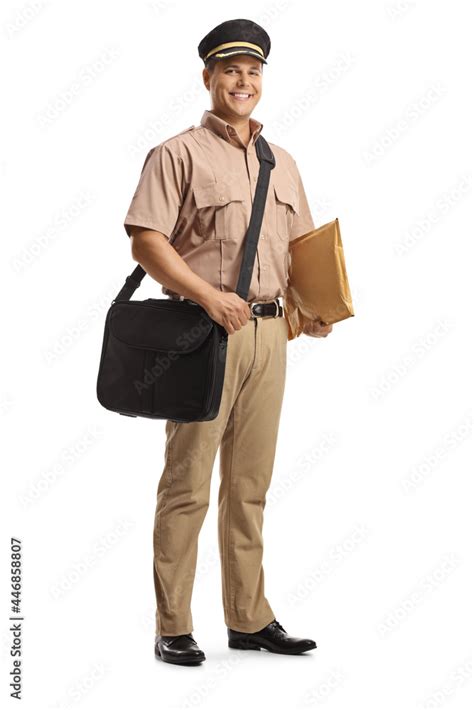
<point x="318" y="287"/>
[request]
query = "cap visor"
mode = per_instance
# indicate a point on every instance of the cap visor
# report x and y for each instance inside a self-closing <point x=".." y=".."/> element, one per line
<point x="235" y="51"/>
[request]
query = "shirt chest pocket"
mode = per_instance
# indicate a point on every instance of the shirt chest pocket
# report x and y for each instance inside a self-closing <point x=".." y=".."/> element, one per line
<point x="221" y="209"/>
<point x="285" y="207"/>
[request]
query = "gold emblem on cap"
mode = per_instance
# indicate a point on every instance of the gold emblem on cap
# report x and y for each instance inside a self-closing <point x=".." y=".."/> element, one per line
<point x="235" y="44"/>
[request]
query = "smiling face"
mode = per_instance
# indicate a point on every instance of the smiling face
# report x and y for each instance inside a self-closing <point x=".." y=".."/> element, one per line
<point x="235" y="85"/>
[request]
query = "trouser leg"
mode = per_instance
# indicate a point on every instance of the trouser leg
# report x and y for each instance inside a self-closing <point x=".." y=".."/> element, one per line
<point x="181" y="506"/>
<point x="183" y="494"/>
<point x="246" y="463"/>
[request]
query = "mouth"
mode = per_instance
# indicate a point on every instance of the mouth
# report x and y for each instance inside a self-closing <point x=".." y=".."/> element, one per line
<point x="241" y="95"/>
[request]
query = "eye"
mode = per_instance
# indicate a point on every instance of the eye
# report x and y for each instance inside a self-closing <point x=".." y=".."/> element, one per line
<point x="252" y="73"/>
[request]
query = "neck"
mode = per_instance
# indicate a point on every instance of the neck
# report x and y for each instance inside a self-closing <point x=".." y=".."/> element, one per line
<point x="241" y="124"/>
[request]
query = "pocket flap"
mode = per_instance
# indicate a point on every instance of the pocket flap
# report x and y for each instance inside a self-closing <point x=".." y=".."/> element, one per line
<point x="160" y="325"/>
<point x="218" y="194"/>
<point x="286" y="191"/>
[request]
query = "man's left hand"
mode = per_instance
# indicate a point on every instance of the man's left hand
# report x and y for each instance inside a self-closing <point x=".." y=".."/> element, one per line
<point x="317" y="329"/>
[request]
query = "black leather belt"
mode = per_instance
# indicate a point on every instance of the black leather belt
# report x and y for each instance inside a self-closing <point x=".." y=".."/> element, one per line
<point x="259" y="309"/>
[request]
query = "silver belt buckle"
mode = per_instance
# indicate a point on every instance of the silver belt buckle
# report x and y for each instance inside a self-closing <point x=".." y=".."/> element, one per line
<point x="275" y="301"/>
<point x="252" y="314"/>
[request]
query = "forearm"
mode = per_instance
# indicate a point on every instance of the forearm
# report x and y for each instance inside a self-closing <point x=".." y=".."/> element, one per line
<point x="162" y="262"/>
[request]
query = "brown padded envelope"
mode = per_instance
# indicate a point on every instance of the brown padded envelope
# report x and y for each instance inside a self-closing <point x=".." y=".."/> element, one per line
<point x="318" y="287"/>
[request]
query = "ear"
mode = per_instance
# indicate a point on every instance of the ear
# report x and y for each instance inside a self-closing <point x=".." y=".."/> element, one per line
<point x="206" y="78"/>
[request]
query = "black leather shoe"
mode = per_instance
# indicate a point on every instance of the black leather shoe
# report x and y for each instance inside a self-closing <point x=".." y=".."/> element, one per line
<point x="181" y="649"/>
<point x="273" y="637"/>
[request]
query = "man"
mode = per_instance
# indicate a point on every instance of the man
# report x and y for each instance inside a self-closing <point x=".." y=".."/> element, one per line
<point x="187" y="223"/>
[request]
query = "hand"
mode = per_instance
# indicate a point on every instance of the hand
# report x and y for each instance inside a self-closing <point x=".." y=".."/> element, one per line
<point x="227" y="309"/>
<point x="317" y="329"/>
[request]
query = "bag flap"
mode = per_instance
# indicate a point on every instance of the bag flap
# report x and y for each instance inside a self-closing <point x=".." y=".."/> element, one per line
<point x="157" y="324"/>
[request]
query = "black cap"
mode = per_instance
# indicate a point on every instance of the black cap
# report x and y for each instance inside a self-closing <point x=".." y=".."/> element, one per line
<point x="235" y="37"/>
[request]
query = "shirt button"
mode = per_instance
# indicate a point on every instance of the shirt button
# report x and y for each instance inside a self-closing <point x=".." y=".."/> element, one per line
<point x="221" y="199"/>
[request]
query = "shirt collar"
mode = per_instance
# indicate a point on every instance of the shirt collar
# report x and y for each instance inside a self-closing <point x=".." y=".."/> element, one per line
<point x="226" y="131"/>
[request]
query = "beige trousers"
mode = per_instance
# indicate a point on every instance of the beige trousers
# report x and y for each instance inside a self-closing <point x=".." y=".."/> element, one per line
<point x="246" y="430"/>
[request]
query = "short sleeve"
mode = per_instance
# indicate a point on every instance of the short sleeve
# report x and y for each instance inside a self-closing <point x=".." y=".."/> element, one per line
<point x="302" y="222"/>
<point x="159" y="194"/>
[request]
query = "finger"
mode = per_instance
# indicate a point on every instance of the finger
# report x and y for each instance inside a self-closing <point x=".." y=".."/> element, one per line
<point x="228" y="326"/>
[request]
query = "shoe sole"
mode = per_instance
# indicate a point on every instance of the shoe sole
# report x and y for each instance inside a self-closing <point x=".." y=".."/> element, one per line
<point x="252" y="646"/>
<point x="181" y="662"/>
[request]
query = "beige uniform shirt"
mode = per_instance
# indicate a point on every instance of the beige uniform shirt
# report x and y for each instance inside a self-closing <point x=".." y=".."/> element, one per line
<point x="197" y="189"/>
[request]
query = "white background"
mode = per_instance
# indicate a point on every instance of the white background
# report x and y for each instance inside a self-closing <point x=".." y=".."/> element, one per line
<point x="366" y="526"/>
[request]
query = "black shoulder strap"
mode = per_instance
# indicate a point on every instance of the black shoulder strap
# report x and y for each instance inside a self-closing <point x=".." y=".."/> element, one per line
<point x="267" y="163"/>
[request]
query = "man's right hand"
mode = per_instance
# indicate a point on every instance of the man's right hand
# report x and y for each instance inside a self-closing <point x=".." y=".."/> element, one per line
<point x="227" y="309"/>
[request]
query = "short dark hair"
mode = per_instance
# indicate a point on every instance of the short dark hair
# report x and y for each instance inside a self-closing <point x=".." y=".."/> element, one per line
<point x="210" y="64"/>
